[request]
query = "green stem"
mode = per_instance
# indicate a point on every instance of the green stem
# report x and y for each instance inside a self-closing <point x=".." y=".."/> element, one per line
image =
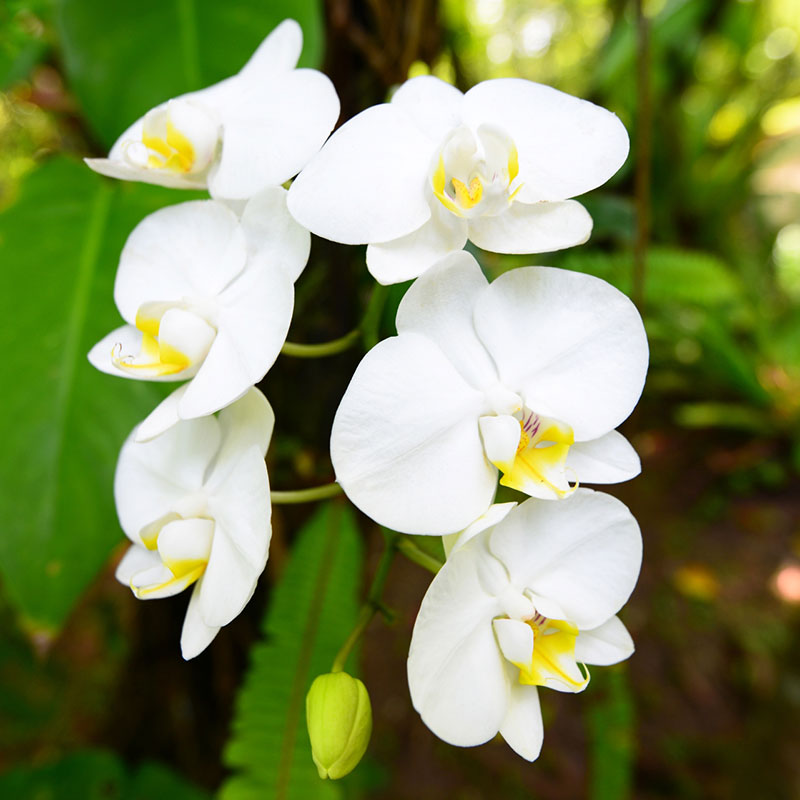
<point x="306" y="495"/>
<point x="416" y="554"/>
<point x="372" y="605"/>
<point x="371" y="321"/>
<point x="321" y="350"/>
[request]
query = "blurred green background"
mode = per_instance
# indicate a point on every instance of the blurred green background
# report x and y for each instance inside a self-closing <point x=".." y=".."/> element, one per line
<point x="94" y="699"/>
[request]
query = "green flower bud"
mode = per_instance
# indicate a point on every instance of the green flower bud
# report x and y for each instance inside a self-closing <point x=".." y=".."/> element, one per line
<point x="339" y="719"/>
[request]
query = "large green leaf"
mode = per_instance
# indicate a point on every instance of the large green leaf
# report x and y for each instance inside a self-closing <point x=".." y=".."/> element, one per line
<point x="311" y="612"/>
<point x="95" y="775"/>
<point x="122" y="59"/>
<point x="62" y="422"/>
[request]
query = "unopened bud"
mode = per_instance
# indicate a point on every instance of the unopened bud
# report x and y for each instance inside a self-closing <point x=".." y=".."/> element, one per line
<point x="339" y="719"/>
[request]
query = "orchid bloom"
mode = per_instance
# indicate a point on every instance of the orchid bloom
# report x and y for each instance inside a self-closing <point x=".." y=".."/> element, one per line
<point x="256" y="129"/>
<point x="208" y="297"/>
<point x="416" y="177"/>
<point x="528" y="375"/>
<point x="195" y="503"/>
<point x="526" y="596"/>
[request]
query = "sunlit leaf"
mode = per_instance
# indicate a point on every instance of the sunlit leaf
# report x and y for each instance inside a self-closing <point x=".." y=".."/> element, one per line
<point x="62" y="422"/>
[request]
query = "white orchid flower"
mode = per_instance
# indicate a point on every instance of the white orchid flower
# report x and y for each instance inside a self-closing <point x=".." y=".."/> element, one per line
<point x="528" y="375"/>
<point x="523" y="604"/>
<point x="417" y="177"/>
<point x="256" y="129"/>
<point x="208" y="297"/>
<point x="195" y="503"/>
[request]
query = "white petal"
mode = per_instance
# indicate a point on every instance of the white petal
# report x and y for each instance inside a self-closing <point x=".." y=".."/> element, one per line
<point x="127" y="340"/>
<point x="162" y="417"/>
<point x="566" y="146"/>
<point x="246" y="423"/>
<point x="273" y="237"/>
<point x="515" y="640"/>
<point x="409" y="256"/>
<point x="136" y="559"/>
<point x="185" y="540"/>
<point x="273" y="125"/>
<point x="534" y="228"/>
<point x="228" y="583"/>
<point x="607" y="644"/>
<point x="456" y="673"/>
<point x="252" y="322"/>
<point x="190" y="250"/>
<point x="500" y="436"/>
<point x="433" y="105"/>
<point x="196" y="635"/>
<point x="115" y="168"/>
<point x="405" y="442"/>
<point x="609" y="459"/>
<point x="240" y="503"/>
<point x="571" y="344"/>
<point x="369" y="183"/>
<point x="522" y="727"/>
<point x="440" y="305"/>
<point x="583" y="552"/>
<point x="277" y="53"/>
<point x="153" y="477"/>
<point x="157" y="583"/>
<point x="496" y="512"/>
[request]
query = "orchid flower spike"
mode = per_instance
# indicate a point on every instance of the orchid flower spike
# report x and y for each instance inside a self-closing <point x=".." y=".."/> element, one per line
<point x="256" y="129"/>
<point x="528" y="375"/>
<point x="521" y="604"/>
<point x="208" y="297"/>
<point x="195" y="503"/>
<point x="417" y="177"/>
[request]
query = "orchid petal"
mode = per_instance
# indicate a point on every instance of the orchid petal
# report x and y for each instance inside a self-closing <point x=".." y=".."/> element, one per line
<point x="607" y="644"/>
<point x="456" y="673"/>
<point x="439" y="305"/>
<point x="411" y="255"/>
<point x="191" y="250"/>
<point x="274" y="124"/>
<point x="433" y="105"/>
<point x="534" y="228"/>
<point x="567" y="146"/>
<point x="152" y="478"/>
<point x="522" y="727"/>
<point x="572" y="344"/>
<point x="405" y="443"/>
<point x="196" y="634"/>
<point x="273" y="237"/>
<point x="492" y="517"/>
<point x="369" y="181"/>
<point x="583" y="552"/>
<point x="136" y="559"/>
<point x="609" y="459"/>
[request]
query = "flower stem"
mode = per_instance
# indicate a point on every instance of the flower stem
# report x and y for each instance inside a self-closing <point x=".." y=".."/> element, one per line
<point x="373" y="603"/>
<point x="321" y="350"/>
<point x="306" y="495"/>
<point x="416" y="554"/>
<point x="371" y="321"/>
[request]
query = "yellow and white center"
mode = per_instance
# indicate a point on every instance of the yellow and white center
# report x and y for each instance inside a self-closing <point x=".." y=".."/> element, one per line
<point x="181" y="137"/>
<point x="476" y="173"/>
<point x="183" y="545"/>
<point x="543" y="650"/>
<point x="175" y="339"/>
<point x="530" y="451"/>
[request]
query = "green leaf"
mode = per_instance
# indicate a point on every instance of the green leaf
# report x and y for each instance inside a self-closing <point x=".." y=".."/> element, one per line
<point x="312" y="610"/>
<point x="672" y="277"/>
<point x="95" y="775"/>
<point x="61" y="421"/>
<point x="611" y="723"/>
<point x="122" y="59"/>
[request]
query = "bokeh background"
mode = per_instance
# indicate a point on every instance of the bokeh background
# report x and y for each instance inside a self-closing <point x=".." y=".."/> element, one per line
<point x="701" y="227"/>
